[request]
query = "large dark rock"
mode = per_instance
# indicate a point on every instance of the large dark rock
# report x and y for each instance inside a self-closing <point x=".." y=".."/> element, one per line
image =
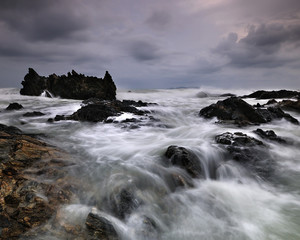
<point x="14" y="106"/>
<point x="261" y="94"/>
<point x="238" y="111"/>
<point x="100" y="227"/>
<point x="248" y="151"/>
<point x="185" y="159"/>
<point x="73" y="86"/>
<point x="97" y="110"/>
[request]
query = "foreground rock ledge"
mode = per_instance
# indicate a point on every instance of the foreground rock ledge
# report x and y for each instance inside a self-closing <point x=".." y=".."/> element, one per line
<point x="72" y="86"/>
<point x="25" y="200"/>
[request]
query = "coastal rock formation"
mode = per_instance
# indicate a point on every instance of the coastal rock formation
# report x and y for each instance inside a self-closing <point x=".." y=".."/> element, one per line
<point x="237" y="111"/>
<point x="261" y="94"/>
<point x="14" y="106"/>
<point x="270" y="135"/>
<point x="248" y="151"/>
<point x="290" y="105"/>
<point x="96" y="110"/>
<point x="25" y="200"/>
<point x="33" y="114"/>
<point x="72" y="86"/>
<point x="185" y="159"/>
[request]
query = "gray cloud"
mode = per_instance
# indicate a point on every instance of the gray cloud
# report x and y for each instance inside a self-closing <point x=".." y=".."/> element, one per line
<point x="169" y="44"/>
<point x="143" y="50"/>
<point x="159" y="20"/>
<point x="263" y="47"/>
<point x="43" y="20"/>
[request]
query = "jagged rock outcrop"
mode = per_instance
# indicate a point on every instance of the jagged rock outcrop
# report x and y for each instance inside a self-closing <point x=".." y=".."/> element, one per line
<point x="72" y="86"/>
<point x="25" y="200"/>
<point x="237" y="111"/>
<point x="261" y="94"/>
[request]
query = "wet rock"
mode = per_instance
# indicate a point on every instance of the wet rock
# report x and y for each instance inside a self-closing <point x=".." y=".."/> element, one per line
<point x="123" y="201"/>
<point x="271" y="102"/>
<point x="248" y="151"/>
<point x="73" y="86"/>
<point x="14" y="106"/>
<point x="185" y="159"/>
<point x="33" y="114"/>
<point x="270" y="135"/>
<point x="227" y="95"/>
<point x="290" y="105"/>
<point x="100" y="227"/>
<point x="98" y="111"/>
<point x="261" y="94"/>
<point x="25" y="201"/>
<point x="241" y="113"/>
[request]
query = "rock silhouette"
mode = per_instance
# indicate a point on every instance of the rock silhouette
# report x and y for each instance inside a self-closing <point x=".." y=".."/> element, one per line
<point x="72" y="86"/>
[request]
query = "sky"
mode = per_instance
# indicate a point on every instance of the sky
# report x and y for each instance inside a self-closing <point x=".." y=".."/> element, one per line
<point x="154" y="44"/>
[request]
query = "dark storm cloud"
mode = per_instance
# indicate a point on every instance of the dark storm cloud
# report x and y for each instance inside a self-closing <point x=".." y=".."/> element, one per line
<point x="261" y="47"/>
<point x="143" y="50"/>
<point x="43" y="20"/>
<point x="159" y="20"/>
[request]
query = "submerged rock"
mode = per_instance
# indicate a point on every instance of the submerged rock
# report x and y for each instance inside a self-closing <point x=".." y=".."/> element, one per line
<point x="240" y="112"/>
<point x="100" y="227"/>
<point x="33" y="114"/>
<point x="261" y="94"/>
<point x="123" y="201"/>
<point x="73" y="86"/>
<point x="185" y="159"/>
<point x="248" y="151"/>
<point x="14" y="106"/>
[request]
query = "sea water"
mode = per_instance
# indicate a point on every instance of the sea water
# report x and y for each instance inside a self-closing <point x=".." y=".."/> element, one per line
<point x="233" y="205"/>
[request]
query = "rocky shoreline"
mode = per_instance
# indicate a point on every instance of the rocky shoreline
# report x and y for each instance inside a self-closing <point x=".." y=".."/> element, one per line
<point x="27" y="201"/>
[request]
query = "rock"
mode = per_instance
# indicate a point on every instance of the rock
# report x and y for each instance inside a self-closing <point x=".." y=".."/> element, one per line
<point x="14" y="106"/>
<point x="290" y="105"/>
<point x="202" y="95"/>
<point x="271" y="102"/>
<point x="33" y="114"/>
<point x="227" y="95"/>
<point x="261" y="94"/>
<point x="122" y="201"/>
<point x="185" y="159"/>
<point x="270" y="135"/>
<point x="100" y="227"/>
<point x="73" y="86"/>
<point x="98" y="111"/>
<point x="248" y="151"/>
<point x="241" y="113"/>
<point x="21" y="204"/>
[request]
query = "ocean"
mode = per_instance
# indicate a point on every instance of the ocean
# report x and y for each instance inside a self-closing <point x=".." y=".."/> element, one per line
<point x="235" y="204"/>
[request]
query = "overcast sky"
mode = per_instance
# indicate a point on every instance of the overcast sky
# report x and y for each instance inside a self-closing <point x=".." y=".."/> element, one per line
<point x="154" y="44"/>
